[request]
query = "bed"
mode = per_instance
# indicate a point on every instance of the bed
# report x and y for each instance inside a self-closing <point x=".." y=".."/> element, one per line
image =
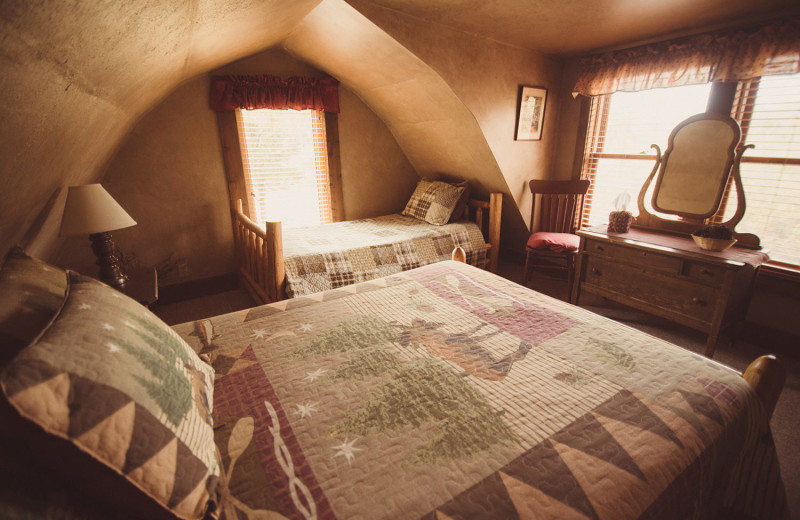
<point x="273" y="264"/>
<point x="439" y="392"/>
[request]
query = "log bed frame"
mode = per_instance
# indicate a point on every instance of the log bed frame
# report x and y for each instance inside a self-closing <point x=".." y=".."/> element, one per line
<point x="259" y="252"/>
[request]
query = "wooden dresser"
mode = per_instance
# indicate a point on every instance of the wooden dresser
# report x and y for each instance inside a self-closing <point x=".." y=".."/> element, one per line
<point x="668" y="276"/>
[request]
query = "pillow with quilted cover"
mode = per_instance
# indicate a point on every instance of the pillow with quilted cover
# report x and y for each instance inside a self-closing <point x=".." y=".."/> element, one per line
<point x="556" y="242"/>
<point x="31" y="292"/>
<point x="461" y="212"/>
<point x="433" y="201"/>
<point x="124" y="389"/>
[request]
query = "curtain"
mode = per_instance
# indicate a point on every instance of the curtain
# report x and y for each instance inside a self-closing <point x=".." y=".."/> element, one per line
<point x="251" y="92"/>
<point x="729" y="55"/>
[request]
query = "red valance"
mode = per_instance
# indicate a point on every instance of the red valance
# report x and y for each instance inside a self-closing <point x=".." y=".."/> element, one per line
<point x="251" y="92"/>
<point x="725" y="55"/>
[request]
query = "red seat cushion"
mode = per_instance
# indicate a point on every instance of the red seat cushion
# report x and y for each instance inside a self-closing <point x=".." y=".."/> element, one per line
<point x="556" y="242"/>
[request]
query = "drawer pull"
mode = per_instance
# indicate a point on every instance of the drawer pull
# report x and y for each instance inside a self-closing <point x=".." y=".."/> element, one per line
<point x="698" y="301"/>
<point x="596" y="271"/>
<point x="599" y="248"/>
<point x="705" y="271"/>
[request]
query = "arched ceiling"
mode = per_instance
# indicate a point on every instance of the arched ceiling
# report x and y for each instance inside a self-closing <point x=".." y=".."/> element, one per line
<point x="76" y="75"/>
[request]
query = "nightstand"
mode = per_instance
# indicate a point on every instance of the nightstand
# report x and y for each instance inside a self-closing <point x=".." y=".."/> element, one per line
<point x="142" y="286"/>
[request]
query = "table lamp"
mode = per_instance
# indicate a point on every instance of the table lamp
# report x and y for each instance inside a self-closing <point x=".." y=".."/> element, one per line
<point x="90" y="210"/>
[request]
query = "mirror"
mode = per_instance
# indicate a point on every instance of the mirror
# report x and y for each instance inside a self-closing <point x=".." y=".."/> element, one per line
<point x="696" y="166"/>
<point x="692" y="176"/>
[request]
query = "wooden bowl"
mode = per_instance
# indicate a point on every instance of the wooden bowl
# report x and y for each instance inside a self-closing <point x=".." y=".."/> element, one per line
<point x="713" y="244"/>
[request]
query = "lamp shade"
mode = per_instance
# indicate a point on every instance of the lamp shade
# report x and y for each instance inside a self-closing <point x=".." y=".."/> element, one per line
<point x="90" y="209"/>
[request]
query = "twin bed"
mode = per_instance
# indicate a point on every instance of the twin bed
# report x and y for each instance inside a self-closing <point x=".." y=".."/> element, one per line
<point x="443" y="391"/>
<point x="273" y="264"/>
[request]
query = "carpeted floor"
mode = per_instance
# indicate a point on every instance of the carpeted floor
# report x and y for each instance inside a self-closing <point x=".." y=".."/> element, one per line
<point x="736" y="354"/>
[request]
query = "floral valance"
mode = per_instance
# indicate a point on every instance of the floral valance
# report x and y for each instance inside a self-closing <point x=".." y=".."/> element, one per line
<point x="730" y="55"/>
<point x="251" y="92"/>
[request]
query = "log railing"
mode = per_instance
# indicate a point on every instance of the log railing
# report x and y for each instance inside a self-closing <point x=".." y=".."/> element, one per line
<point x="259" y="257"/>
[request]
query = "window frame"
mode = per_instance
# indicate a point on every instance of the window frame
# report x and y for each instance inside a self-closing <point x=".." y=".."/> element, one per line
<point x="235" y="170"/>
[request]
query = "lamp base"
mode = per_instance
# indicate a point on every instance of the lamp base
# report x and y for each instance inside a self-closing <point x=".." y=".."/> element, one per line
<point x="112" y="272"/>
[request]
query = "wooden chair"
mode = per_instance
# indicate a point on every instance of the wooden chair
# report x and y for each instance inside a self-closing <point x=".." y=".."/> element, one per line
<point x="555" y="245"/>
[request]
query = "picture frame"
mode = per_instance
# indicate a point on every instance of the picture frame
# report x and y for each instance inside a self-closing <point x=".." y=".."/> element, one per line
<point x="530" y="114"/>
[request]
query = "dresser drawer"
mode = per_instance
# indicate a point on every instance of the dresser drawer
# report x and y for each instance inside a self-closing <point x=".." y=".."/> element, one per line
<point x="671" y="294"/>
<point x="704" y="272"/>
<point x="635" y="256"/>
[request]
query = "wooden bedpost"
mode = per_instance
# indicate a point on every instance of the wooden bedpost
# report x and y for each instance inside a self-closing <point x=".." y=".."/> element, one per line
<point x="495" y="212"/>
<point x="275" y="273"/>
<point x="767" y="376"/>
<point x="459" y="255"/>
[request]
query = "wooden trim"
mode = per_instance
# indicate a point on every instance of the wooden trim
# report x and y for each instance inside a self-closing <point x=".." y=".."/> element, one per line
<point x="334" y="166"/>
<point x="232" y="159"/>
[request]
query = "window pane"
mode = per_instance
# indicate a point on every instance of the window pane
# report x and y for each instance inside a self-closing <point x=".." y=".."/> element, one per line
<point x="281" y="152"/>
<point x="771" y="171"/>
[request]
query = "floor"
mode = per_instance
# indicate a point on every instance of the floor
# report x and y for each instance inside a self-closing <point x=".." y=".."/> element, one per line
<point x="736" y="354"/>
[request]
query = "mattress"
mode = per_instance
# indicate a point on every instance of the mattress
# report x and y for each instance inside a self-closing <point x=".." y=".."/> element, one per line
<point x="319" y="258"/>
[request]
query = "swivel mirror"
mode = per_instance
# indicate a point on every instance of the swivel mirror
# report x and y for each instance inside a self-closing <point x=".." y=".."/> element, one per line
<point x="692" y="176"/>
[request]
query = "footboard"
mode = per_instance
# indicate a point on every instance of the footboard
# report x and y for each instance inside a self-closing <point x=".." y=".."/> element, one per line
<point x="259" y="257"/>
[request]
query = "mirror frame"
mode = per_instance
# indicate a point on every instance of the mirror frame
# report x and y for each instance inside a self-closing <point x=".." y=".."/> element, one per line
<point x="686" y="224"/>
<point x="724" y="172"/>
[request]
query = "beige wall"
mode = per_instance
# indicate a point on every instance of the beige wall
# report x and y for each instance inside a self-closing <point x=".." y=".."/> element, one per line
<point x="486" y="76"/>
<point x="168" y="174"/>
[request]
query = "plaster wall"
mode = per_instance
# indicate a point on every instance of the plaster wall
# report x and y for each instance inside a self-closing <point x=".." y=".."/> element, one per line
<point x="486" y="76"/>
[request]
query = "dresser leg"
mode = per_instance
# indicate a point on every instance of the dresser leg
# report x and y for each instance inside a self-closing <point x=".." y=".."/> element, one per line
<point x="711" y="343"/>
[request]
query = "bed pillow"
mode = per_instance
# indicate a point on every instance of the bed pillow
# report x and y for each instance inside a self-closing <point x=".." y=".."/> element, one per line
<point x="109" y="378"/>
<point x="461" y="212"/>
<point x="433" y="202"/>
<point x="31" y="292"/>
<point x="556" y="242"/>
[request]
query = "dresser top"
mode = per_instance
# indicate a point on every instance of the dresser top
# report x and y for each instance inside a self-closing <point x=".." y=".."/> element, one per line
<point x="674" y="244"/>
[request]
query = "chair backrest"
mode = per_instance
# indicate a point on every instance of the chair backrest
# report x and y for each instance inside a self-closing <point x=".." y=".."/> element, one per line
<point x="558" y="204"/>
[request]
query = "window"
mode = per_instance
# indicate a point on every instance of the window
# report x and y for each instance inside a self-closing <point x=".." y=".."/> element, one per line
<point x="285" y="159"/>
<point x="622" y="126"/>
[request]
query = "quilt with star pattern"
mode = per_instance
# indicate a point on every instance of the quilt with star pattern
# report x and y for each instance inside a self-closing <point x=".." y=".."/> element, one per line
<point x="447" y="392"/>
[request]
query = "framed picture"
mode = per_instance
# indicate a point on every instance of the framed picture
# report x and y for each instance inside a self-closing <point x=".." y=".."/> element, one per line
<point x="530" y="118"/>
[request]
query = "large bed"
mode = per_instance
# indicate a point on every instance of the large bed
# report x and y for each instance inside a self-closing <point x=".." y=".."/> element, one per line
<point x="274" y="264"/>
<point x="439" y="392"/>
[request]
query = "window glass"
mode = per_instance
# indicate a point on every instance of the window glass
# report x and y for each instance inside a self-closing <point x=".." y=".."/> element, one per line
<point x="284" y="154"/>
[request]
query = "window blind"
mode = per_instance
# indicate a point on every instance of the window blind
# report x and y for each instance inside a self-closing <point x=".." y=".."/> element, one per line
<point x="622" y="126"/>
<point x="768" y="109"/>
<point x="285" y="158"/>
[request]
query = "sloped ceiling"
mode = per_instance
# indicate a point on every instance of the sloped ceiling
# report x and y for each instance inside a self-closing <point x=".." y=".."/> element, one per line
<point x="77" y="74"/>
<point x="580" y="26"/>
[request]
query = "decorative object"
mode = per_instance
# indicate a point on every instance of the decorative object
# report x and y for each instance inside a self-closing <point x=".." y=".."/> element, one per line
<point x="530" y="118"/>
<point x="90" y="210"/>
<point x="619" y="221"/>
<point x="714" y="238"/>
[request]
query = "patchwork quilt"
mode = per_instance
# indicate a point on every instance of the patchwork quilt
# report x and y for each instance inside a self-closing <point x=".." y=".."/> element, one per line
<point x="448" y="392"/>
<point x="318" y="258"/>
